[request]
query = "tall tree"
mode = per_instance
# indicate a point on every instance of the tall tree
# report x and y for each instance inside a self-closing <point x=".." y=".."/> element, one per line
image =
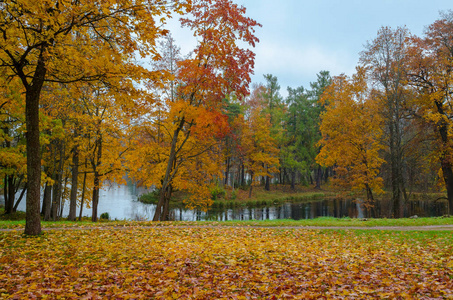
<point x="351" y="131"/>
<point x="217" y="67"/>
<point x="275" y="108"/>
<point x="68" y="41"/>
<point x="431" y="74"/>
<point x="386" y="59"/>
<point x="259" y="148"/>
<point x="323" y="80"/>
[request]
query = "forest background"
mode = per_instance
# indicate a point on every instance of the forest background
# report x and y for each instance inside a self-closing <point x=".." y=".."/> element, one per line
<point x="79" y="109"/>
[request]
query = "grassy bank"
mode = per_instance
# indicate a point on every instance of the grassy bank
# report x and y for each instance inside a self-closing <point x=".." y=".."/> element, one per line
<point x="318" y="222"/>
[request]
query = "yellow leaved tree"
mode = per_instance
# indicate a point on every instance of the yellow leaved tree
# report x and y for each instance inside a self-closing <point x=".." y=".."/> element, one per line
<point x="70" y="41"/>
<point x="351" y="131"/>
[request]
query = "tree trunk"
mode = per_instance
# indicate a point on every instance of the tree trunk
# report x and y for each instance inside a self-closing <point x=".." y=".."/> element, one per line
<point x="47" y="199"/>
<point x="318" y="177"/>
<point x="20" y="198"/>
<point x="267" y="186"/>
<point x="97" y="162"/>
<point x="32" y="94"/>
<point x="56" y="194"/>
<point x="227" y="172"/>
<point x="369" y="204"/>
<point x="95" y="199"/>
<point x="243" y="175"/>
<point x="161" y="213"/>
<point x="293" y="180"/>
<point x="445" y="158"/>
<point x="74" y="184"/>
<point x="9" y="193"/>
<point x="83" y="194"/>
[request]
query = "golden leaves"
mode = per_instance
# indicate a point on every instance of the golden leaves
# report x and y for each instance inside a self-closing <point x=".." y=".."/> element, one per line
<point x="351" y="128"/>
<point x="225" y="263"/>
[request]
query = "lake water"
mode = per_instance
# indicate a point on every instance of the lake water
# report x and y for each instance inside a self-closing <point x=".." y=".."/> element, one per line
<point x="120" y="201"/>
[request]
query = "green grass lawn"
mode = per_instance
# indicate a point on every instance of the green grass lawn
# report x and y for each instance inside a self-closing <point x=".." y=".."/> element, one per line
<point x="322" y="221"/>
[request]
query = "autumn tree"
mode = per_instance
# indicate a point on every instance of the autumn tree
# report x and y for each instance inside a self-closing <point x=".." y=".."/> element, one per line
<point x="259" y="148"/>
<point x="430" y="74"/>
<point x="55" y="41"/>
<point x="351" y="132"/>
<point x="218" y="67"/>
<point x="386" y="60"/>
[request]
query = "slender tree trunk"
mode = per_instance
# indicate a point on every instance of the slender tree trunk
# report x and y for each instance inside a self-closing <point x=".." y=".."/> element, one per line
<point x="5" y="190"/>
<point x="227" y="172"/>
<point x="318" y="178"/>
<point x="20" y="198"/>
<point x="47" y="199"/>
<point x="293" y="180"/>
<point x="74" y="184"/>
<point x="243" y="175"/>
<point x="55" y="197"/>
<point x="161" y="213"/>
<point x="369" y="204"/>
<point x="251" y="185"/>
<point x="10" y="193"/>
<point x="83" y="193"/>
<point x="267" y="186"/>
<point x="95" y="199"/>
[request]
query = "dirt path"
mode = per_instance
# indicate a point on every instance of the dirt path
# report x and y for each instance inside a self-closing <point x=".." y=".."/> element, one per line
<point x="389" y="228"/>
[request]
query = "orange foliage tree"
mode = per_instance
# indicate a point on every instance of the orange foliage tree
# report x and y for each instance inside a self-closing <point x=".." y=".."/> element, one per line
<point x="351" y="130"/>
<point x="185" y="126"/>
<point x="431" y="76"/>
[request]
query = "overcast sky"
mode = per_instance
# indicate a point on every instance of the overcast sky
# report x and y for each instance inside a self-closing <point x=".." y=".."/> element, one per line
<point x="300" y="38"/>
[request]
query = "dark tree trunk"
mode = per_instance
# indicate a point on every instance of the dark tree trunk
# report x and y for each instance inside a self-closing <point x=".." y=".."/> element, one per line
<point x="445" y="158"/>
<point x="267" y="186"/>
<point x="32" y="94"/>
<point x="47" y="201"/>
<point x="97" y="162"/>
<point x="56" y="194"/>
<point x="9" y="193"/>
<point x="162" y="207"/>
<point x="293" y="180"/>
<point x="20" y="198"/>
<point x="74" y="184"/>
<point x="318" y="177"/>
<point x="369" y="203"/>
<point x="95" y="200"/>
<point x="83" y="194"/>
<point x="227" y="172"/>
<point x="243" y="175"/>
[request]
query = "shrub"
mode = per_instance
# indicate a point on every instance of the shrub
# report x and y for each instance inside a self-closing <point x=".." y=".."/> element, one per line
<point x="150" y="198"/>
<point x="105" y="216"/>
<point x="216" y="192"/>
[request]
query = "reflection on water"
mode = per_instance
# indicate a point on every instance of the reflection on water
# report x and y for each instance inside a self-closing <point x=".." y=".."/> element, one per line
<point x="120" y="201"/>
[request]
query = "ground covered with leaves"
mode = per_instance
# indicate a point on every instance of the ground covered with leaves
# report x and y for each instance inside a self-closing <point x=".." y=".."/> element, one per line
<point x="226" y="263"/>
